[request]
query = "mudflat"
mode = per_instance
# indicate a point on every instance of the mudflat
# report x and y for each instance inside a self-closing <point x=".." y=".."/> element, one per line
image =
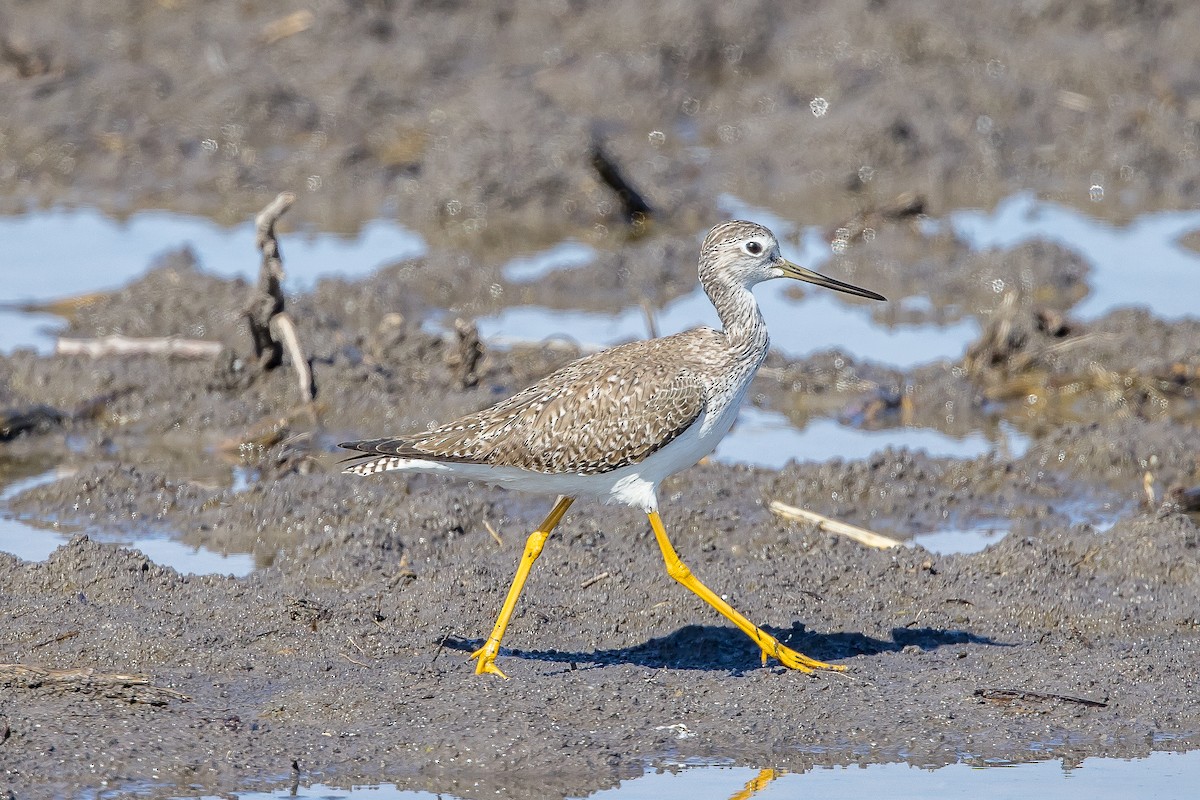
<point x="342" y="657"/>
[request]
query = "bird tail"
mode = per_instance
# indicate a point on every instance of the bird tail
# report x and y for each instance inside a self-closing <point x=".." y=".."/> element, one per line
<point x="369" y="466"/>
<point x="375" y="455"/>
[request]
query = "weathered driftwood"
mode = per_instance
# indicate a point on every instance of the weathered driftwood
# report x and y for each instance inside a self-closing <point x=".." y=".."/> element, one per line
<point x="271" y="329"/>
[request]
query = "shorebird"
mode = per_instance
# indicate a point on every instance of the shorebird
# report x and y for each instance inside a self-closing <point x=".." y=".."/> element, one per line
<point x="614" y="424"/>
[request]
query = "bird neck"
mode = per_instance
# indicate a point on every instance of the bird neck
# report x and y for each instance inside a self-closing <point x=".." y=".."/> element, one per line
<point x="743" y="323"/>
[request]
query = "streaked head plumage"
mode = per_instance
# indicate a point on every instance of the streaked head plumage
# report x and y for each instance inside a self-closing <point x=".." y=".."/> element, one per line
<point x="740" y="252"/>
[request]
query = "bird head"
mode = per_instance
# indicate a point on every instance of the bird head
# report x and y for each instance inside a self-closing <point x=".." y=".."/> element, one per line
<point x="747" y="253"/>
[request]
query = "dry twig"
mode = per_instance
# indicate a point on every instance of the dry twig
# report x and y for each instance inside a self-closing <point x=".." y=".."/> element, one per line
<point x="117" y="345"/>
<point x="495" y="534"/>
<point x="62" y="637"/>
<point x="1017" y="695"/>
<point x="651" y="318"/>
<point x="860" y="535"/>
<point x="354" y="660"/>
<point x="290" y="25"/>
<point x="594" y="580"/>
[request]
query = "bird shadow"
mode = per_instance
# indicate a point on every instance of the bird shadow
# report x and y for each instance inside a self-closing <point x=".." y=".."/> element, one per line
<point x="725" y="649"/>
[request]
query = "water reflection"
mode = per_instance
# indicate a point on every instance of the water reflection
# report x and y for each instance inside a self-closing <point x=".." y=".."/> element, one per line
<point x="1160" y="774"/>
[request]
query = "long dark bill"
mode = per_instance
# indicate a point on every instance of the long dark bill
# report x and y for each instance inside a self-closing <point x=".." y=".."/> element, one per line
<point x="798" y="272"/>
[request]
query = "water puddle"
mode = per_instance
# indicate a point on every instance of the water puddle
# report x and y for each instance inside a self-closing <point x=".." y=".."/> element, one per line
<point x="22" y="329"/>
<point x="798" y="329"/>
<point x="1161" y="774"/>
<point x="1144" y="263"/>
<point x="567" y="255"/>
<point x="765" y="438"/>
<point x="34" y="540"/>
<point x="86" y="251"/>
<point x="819" y="321"/>
<point x="760" y="438"/>
<point x="1099" y="513"/>
<point x="960" y="541"/>
<point x="1141" y="263"/>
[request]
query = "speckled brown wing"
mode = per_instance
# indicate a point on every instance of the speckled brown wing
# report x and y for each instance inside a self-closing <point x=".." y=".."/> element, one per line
<point x="595" y="415"/>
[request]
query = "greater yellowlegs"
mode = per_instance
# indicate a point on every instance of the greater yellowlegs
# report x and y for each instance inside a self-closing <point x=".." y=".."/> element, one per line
<point x="613" y="425"/>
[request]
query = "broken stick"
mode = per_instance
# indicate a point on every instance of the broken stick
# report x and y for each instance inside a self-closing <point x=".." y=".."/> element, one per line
<point x="117" y="345"/>
<point x="860" y="535"/>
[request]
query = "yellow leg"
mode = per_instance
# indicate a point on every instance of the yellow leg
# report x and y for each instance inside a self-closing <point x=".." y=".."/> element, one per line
<point x="756" y="784"/>
<point x="533" y="548"/>
<point x="769" y="644"/>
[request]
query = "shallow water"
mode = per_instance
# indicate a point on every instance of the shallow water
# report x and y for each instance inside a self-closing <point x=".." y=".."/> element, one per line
<point x="957" y="541"/>
<point x="87" y="251"/>
<point x="565" y="255"/>
<point x="819" y="321"/>
<point x="1164" y="775"/>
<point x="52" y="254"/>
<point x="34" y="540"/>
<point x="766" y="438"/>
<point x="760" y="438"/>
<point x="1143" y="263"/>
<point x="31" y="542"/>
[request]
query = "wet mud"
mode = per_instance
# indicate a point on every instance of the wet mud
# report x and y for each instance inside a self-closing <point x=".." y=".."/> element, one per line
<point x="343" y="656"/>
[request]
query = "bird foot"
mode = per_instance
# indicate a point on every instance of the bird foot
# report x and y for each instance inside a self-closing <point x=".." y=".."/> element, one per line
<point x="487" y="659"/>
<point x="795" y="660"/>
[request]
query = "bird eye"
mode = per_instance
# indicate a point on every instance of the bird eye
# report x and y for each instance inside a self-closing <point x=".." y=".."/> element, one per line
<point x="753" y="248"/>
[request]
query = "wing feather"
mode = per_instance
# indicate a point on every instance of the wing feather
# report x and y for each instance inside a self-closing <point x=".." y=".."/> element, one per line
<point x="594" y="415"/>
